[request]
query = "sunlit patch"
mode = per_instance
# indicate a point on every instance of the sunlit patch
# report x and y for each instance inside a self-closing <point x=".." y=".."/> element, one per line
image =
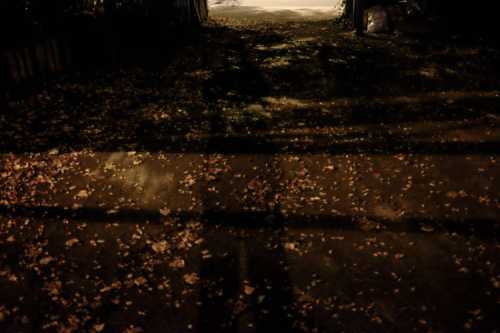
<point x="277" y="62"/>
<point x="286" y="101"/>
<point x="430" y="72"/>
<point x="129" y="171"/>
<point x="280" y="46"/>
<point x="201" y="74"/>
<point x="423" y="98"/>
<point x="305" y="40"/>
<point x="286" y="46"/>
<point x="155" y="112"/>
<point x="386" y="212"/>
<point x="255" y="11"/>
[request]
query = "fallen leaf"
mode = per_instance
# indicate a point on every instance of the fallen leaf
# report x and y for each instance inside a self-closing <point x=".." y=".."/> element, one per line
<point x="160" y="247"/>
<point x="46" y="261"/>
<point x="399" y="256"/>
<point x="191" y="279"/>
<point x="71" y="242"/>
<point x="98" y="327"/>
<point x="165" y="211"/>
<point x="248" y="290"/>
<point x="329" y="168"/>
<point x="177" y="263"/>
<point x="427" y="228"/>
<point x="139" y="281"/>
<point x="83" y="194"/>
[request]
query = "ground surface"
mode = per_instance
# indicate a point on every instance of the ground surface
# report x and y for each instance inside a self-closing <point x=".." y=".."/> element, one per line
<point x="280" y="177"/>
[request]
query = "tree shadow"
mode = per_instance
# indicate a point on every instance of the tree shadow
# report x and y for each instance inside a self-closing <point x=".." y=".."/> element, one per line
<point x="219" y="87"/>
<point x="269" y="220"/>
<point x="244" y="282"/>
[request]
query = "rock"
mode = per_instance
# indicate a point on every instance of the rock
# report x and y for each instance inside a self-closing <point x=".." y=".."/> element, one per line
<point x="377" y="20"/>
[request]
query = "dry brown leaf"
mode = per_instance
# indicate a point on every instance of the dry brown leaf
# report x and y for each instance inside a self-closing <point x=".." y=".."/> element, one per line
<point x="248" y="290"/>
<point x="165" y="211"/>
<point x="177" y="263"/>
<point x="191" y="279"/>
<point x="98" y="327"/>
<point x="160" y="247"/>
<point x="71" y="242"/>
<point x="46" y="260"/>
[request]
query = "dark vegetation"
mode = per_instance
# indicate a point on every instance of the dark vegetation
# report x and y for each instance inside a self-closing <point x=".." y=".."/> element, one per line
<point x="26" y="19"/>
<point x="43" y="37"/>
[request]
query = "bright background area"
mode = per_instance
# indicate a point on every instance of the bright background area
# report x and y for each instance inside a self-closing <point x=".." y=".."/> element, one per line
<point x="258" y="9"/>
<point x="283" y="3"/>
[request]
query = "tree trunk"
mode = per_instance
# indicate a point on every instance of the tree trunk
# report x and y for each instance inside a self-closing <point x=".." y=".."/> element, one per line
<point x="358" y="16"/>
<point x="348" y="8"/>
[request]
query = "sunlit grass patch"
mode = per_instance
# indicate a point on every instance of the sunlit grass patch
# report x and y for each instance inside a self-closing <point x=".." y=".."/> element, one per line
<point x="277" y="62"/>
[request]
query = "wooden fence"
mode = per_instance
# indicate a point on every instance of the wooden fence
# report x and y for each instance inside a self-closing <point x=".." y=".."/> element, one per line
<point x="36" y="59"/>
<point x="40" y="41"/>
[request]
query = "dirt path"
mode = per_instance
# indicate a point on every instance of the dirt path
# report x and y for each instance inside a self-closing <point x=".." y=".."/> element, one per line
<point x="277" y="176"/>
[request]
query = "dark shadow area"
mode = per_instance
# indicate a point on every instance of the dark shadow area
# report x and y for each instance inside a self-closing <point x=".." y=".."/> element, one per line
<point x="201" y="96"/>
<point x="282" y="144"/>
<point x="271" y="220"/>
<point x="239" y="257"/>
<point x="472" y="21"/>
<point x="237" y="77"/>
<point x="111" y="130"/>
<point x="246" y="261"/>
